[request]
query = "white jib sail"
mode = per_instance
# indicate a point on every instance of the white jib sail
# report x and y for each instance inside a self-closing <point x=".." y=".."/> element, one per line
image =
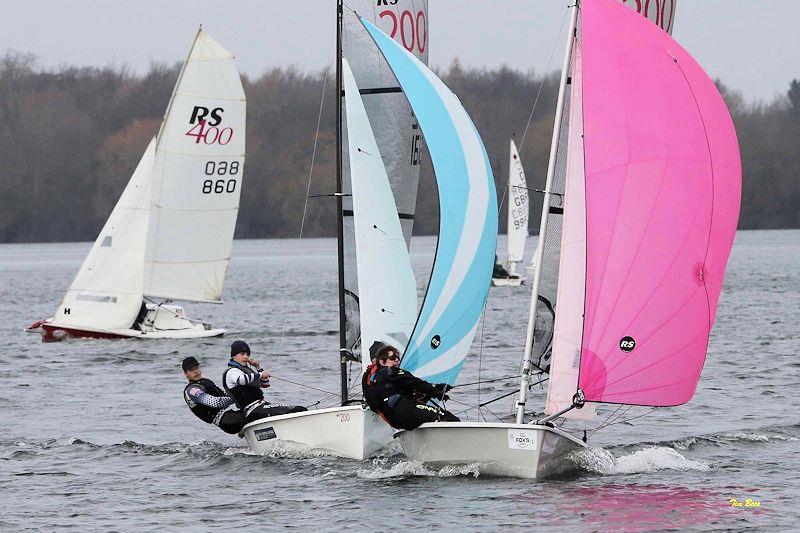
<point x="388" y="297"/>
<point x="197" y="178"/>
<point x="107" y="291"/>
<point x="517" y="208"/>
<point x="568" y="328"/>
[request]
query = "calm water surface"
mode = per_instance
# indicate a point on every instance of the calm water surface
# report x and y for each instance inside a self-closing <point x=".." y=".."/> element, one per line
<point x="95" y="434"/>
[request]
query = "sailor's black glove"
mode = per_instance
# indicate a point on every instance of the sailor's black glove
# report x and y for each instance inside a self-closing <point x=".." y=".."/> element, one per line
<point x="442" y="388"/>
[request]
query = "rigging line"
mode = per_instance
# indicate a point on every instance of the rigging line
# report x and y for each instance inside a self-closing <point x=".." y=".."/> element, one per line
<point x="480" y="351"/>
<point x="502" y="200"/>
<point x="515" y="376"/>
<point x="510" y="393"/>
<point x="634" y="417"/>
<point x="617" y="421"/>
<point x="304" y="385"/>
<point x="506" y="395"/>
<point x="314" y="151"/>
<point x="494" y="414"/>
<point x="541" y="85"/>
<point x="610" y="417"/>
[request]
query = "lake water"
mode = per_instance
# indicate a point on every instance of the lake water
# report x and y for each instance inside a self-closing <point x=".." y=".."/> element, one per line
<point x="95" y="434"/>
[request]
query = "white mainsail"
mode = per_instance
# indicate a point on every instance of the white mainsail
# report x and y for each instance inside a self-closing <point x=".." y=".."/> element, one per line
<point x="517" y="208"/>
<point x="107" y="291"/>
<point x="388" y="297"/>
<point x="197" y="178"/>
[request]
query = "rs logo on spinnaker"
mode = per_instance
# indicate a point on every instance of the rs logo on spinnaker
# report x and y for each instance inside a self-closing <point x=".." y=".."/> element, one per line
<point x="207" y="126"/>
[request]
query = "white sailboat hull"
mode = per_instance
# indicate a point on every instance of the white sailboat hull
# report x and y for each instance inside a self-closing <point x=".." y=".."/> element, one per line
<point x="350" y="431"/>
<point x="515" y="450"/>
<point x="161" y="322"/>
<point x="507" y="282"/>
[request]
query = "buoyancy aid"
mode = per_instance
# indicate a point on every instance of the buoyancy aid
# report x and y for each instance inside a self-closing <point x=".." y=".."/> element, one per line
<point x="203" y="412"/>
<point x="243" y="395"/>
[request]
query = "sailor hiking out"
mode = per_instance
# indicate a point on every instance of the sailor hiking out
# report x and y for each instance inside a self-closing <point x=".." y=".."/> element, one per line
<point x="401" y="398"/>
<point x="243" y="381"/>
<point x="208" y="402"/>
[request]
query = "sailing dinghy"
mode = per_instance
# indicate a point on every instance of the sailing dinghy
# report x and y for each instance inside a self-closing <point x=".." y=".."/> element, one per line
<point x="648" y="159"/>
<point x="169" y="236"/>
<point x="517" y="228"/>
<point x="378" y="174"/>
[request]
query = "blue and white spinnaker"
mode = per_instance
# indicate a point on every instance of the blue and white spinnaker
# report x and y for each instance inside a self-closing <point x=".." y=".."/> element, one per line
<point x="464" y="257"/>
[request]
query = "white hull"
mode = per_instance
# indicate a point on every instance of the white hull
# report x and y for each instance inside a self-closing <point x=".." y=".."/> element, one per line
<point x="162" y="322"/>
<point x="507" y="282"/>
<point x="516" y="450"/>
<point x="350" y="431"/>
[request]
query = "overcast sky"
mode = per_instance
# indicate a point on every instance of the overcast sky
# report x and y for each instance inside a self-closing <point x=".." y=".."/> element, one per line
<point x="752" y="45"/>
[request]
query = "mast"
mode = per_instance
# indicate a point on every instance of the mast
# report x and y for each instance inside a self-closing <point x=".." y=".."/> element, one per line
<point x="525" y="377"/>
<point x="339" y="210"/>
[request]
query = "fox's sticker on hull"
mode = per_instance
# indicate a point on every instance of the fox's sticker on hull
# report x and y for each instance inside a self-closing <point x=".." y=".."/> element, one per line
<point x="521" y="439"/>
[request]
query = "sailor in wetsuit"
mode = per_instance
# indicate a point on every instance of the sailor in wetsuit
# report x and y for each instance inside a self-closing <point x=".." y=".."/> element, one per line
<point x="499" y="271"/>
<point x="243" y="381"/>
<point x="209" y="402"/>
<point x="398" y="396"/>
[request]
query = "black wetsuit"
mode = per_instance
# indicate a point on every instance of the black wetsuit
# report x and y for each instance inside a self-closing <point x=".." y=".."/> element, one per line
<point x="401" y="398"/>
<point x="243" y="384"/>
<point x="209" y="403"/>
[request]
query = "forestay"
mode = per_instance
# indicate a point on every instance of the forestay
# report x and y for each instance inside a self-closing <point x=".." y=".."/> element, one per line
<point x="517" y="207"/>
<point x="663" y="187"/>
<point x="388" y="288"/>
<point x="107" y="291"/>
<point x="197" y="178"/>
<point x="395" y="128"/>
<point x="467" y="219"/>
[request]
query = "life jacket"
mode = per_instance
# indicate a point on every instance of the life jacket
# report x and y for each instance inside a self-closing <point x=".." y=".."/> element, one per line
<point x="203" y="412"/>
<point x="370" y="391"/>
<point x="243" y="395"/>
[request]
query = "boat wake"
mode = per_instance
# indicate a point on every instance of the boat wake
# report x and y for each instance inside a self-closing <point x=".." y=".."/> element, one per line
<point x="649" y="459"/>
<point x="382" y="469"/>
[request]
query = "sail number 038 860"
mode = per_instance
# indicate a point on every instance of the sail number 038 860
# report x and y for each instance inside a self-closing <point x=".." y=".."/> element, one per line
<point x="221" y="168"/>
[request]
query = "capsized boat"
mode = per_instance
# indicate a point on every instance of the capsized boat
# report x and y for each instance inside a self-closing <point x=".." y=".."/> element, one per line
<point x="379" y="170"/>
<point x="651" y="185"/>
<point x="517" y="227"/>
<point x="169" y="236"/>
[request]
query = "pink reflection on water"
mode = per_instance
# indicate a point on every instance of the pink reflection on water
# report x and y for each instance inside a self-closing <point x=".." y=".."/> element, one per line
<point x="634" y="507"/>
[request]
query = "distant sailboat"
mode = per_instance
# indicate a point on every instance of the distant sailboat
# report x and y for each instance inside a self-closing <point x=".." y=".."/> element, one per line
<point x="381" y="148"/>
<point x="517" y="222"/>
<point x="651" y="177"/>
<point x="169" y="236"/>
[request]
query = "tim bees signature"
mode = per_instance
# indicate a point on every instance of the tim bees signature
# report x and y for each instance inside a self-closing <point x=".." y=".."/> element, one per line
<point x="747" y="503"/>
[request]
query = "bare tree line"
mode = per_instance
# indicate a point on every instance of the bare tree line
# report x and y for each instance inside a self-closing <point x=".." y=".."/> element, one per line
<point x="71" y="137"/>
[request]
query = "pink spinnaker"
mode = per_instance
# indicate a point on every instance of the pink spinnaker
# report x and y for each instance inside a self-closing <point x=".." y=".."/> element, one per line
<point x="663" y="188"/>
